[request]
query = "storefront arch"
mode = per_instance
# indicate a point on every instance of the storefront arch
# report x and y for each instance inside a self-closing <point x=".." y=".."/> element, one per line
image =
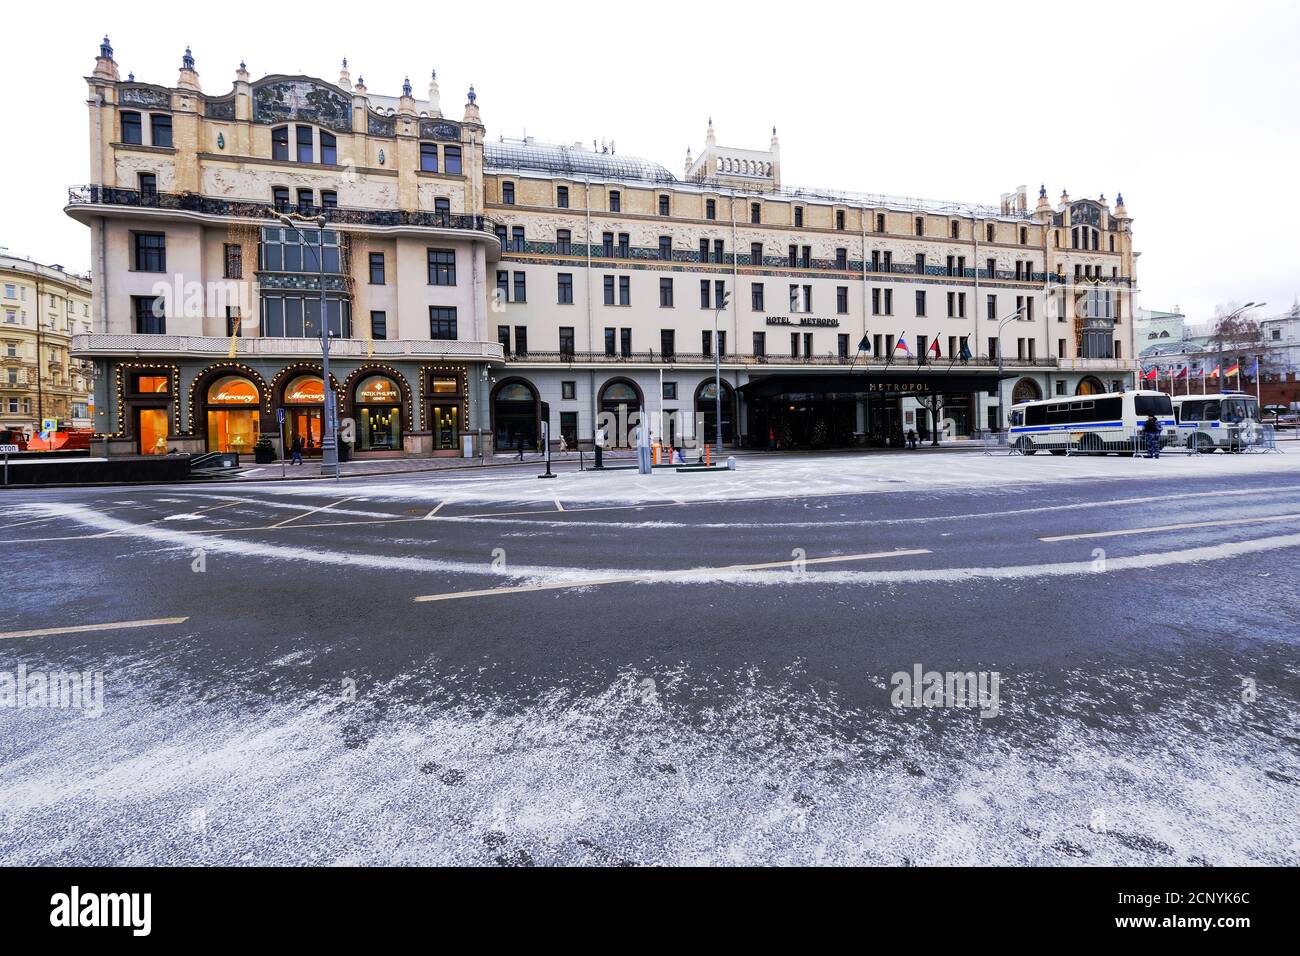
<point x="1090" y="385"/>
<point x="516" y="414"/>
<point x="300" y="391"/>
<point x="378" y="399"/>
<point x="620" y="397"/>
<point x="227" y="407"/>
<point x="706" y="405"/>
<point x="1026" y="390"/>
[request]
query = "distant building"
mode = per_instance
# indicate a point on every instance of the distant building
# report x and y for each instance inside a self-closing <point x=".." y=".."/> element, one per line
<point x="41" y="309"/>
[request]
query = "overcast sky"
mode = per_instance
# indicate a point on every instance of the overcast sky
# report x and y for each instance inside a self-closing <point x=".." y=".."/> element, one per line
<point x="1191" y="109"/>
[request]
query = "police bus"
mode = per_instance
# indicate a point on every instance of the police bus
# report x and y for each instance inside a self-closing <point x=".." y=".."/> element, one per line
<point x="1227" y="420"/>
<point x="1094" y="424"/>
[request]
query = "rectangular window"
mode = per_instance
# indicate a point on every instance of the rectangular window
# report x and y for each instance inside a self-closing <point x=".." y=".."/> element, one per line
<point x="233" y="260"/>
<point x="521" y="287"/>
<point x="564" y="288"/>
<point x="148" y="183"/>
<point x="841" y="258"/>
<point x="706" y="343"/>
<point x="755" y="253"/>
<point x="377" y="268"/>
<point x="607" y="245"/>
<point x="760" y="344"/>
<point x="131" y="129"/>
<point x="670" y="391"/>
<point x="993" y="347"/>
<point x="566" y="340"/>
<point x="663" y="205"/>
<point x="919" y="266"/>
<point x="564" y="242"/>
<point x="719" y="293"/>
<point x="280" y="143"/>
<point x="149" y="316"/>
<point x="442" y="267"/>
<point x="569" y="391"/>
<point x="991" y="307"/>
<point x="919" y="224"/>
<point x="842" y="299"/>
<point x="562" y="197"/>
<point x="609" y="290"/>
<point x="306" y="144"/>
<point x="722" y="343"/>
<point x="952" y="304"/>
<point x="503" y="286"/>
<point x="429" y="157"/>
<point x="150" y="252"/>
<point x="704" y="293"/>
<point x="839" y="219"/>
<point x="880" y="222"/>
<point x="704" y="250"/>
<point x="756" y="296"/>
<point x="667" y="343"/>
<point x="755" y="213"/>
<point x="517" y="238"/>
<point x="920" y="303"/>
<point x="805" y="260"/>
<point x="379" y="325"/>
<point x="625" y="342"/>
<point x="798" y="216"/>
<point x="615" y="201"/>
<point x="665" y="248"/>
<point x="875" y="301"/>
<point x="794" y="257"/>
<point x="710" y="209"/>
<point x="961" y="305"/>
<point x="624" y="290"/>
<point x="329" y="199"/>
<point x="160" y="127"/>
<point x="451" y="160"/>
<point x="521" y="340"/>
<point x="624" y="245"/>
<point x="609" y="341"/>
<point x="442" y="322"/>
<point x="843" y="344"/>
<point x="717" y="251"/>
<point x="889" y="302"/>
<point x="508" y="193"/>
<point x="665" y="293"/>
<point x="329" y="154"/>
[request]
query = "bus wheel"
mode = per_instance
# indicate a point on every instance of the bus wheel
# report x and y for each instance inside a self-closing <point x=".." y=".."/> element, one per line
<point x="1205" y="444"/>
<point x="1091" y="445"/>
<point x="1026" y="446"/>
<point x="1058" y="451"/>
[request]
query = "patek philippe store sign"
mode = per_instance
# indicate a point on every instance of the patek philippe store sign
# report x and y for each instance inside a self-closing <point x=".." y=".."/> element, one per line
<point x="804" y="320"/>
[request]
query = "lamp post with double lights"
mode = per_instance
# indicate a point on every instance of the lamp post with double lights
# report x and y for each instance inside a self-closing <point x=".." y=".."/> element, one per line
<point x="329" y="449"/>
<point x="1002" y="420"/>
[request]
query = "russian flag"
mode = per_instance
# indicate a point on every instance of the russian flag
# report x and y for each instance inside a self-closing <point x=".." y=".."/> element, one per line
<point x="902" y="344"/>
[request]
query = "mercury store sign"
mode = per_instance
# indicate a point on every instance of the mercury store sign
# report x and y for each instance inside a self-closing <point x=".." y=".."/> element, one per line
<point x="806" y="321"/>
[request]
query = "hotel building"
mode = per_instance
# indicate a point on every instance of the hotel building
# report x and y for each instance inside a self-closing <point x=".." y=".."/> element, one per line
<point x="476" y="289"/>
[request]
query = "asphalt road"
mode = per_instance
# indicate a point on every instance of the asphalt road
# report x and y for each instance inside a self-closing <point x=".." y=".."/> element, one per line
<point x="493" y="678"/>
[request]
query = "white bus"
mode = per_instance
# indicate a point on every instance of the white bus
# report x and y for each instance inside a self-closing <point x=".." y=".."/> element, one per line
<point x="1093" y="424"/>
<point x="1227" y="420"/>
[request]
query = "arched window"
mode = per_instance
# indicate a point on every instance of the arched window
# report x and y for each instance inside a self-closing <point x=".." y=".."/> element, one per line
<point x="233" y="421"/>
<point x="706" y="405"/>
<point x="1025" y="390"/>
<point x="1090" y="385"/>
<point x="516" y="415"/>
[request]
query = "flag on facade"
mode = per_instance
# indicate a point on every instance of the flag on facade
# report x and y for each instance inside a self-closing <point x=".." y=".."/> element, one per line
<point x="934" y="347"/>
<point x="1182" y="372"/>
<point x="902" y="344"/>
<point x="965" y="354"/>
<point x="865" y="344"/>
<point x="1233" y="369"/>
<point x="1254" y="369"/>
<point x="1152" y="372"/>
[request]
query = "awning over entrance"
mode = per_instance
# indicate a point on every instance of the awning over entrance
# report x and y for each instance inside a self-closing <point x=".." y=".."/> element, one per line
<point x="906" y="382"/>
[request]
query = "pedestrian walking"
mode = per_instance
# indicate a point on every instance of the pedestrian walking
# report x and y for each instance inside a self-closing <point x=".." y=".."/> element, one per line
<point x="911" y="439"/>
<point x="1152" y="431"/>
<point x="295" y="450"/>
<point x="521" y="447"/>
<point x="771" y="438"/>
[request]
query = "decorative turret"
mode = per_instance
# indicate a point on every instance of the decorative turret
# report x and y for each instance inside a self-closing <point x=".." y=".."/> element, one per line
<point x="345" y="78"/>
<point x="1065" y="197"/>
<point x="1042" y="197"/>
<point x="1120" y="211"/>
<point x="471" y="108"/>
<point x="407" y="103"/>
<point x="360" y="88"/>
<point x="689" y="162"/>
<point x="242" y="75"/>
<point x="189" y="77"/>
<point x="105" y="65"/>
<point x="709" y="138"/>
<point x="435" y="98"/>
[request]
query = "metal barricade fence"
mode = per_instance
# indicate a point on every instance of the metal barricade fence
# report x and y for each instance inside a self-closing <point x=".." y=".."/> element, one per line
<point x="996" y="442"/>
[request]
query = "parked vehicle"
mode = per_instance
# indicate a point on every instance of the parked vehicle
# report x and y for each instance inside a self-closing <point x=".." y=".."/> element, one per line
<point x="1227" y="420"/>
<point x="1091" y="424"/>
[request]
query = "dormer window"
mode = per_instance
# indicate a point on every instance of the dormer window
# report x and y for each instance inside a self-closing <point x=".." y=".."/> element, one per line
<point x="919" y="225"/>
<point x="1024" y="236"/>
<point x="280" y="143"/>
<point x="429" y="157"/>
<point x="839" y="219"/>
<point x="989" y="233"/>
<point x="328" y="149"/>
<point x="131" y="130"/>
<point x="956" y="229"/>
<point x="160" y="128"/>
<point x="798" y="216"/>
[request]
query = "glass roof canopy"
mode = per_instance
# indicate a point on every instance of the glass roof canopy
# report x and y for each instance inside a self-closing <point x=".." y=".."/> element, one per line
<point x="573" y="161"/>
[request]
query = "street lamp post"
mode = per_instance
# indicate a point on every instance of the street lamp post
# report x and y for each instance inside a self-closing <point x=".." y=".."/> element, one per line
<point x="329" y="451"/>
<point x="1232" y="317"/>
<point x="1001" y="323"/>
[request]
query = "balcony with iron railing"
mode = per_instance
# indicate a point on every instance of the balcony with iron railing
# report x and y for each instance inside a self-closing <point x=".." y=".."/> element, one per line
<point x="80" y="197"/>
<point x="733" y="360"/>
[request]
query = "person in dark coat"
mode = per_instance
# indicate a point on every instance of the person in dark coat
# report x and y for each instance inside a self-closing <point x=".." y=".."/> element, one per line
<point x="911" y="439"/>
<point x="295" y="450"/>
<point x="1152" y="432"/>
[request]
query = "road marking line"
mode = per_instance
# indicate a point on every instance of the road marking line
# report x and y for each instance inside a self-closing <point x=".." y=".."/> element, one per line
<point x="80" y="628"/>
<point x="558" y="506"/>
<point x="435" y="510"/>
<point x="314" y="511"/>
<point x="1170" y="527"/>
<point x="652" y="576"/>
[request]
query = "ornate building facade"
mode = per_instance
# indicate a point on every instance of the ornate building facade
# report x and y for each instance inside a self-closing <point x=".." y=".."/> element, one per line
<point x="477" y="288"/>
<point x="42" y="308"/>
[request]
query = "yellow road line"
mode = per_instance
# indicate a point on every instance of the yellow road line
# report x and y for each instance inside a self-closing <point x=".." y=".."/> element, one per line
<point x="1171" y="527"/>
<point x="81" y="628"/>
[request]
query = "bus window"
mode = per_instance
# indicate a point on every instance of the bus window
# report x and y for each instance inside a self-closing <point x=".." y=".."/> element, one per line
<point x="1190" y="411"/>
<point x="1017" y="418"/>
<point x="1211" y="412"/>
<point x="1109" y="409"/>
<point x="1145" y="405"/>
<point x="1234" y="410"/>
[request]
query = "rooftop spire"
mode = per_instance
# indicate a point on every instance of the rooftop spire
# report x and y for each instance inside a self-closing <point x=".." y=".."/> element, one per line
<point x="105" y="65"/>
<point x="187" y="61"/>
<point x="106" y="49"/>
